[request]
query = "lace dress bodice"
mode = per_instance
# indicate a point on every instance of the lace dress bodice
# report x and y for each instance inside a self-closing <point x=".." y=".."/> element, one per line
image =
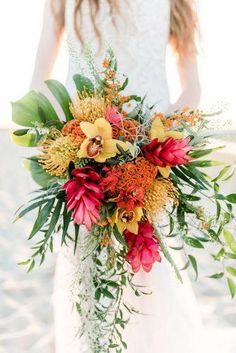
<point x="139" y="39"/>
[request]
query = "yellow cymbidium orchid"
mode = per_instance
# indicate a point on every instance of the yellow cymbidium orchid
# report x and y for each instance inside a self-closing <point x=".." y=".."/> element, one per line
<point x="127" y="219"/>
<point x="159" y="132"/>
<point x="99" y="143"/>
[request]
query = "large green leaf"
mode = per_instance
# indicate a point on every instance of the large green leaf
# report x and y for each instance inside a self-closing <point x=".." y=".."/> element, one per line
<point x="26" y="111"/>
<point x="39" y="175"/>
<point x="62" y="96"/>
<point x="83" y="84"/>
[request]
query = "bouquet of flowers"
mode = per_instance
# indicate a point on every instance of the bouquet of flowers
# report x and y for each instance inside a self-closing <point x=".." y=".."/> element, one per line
<point x="118" y="180"/>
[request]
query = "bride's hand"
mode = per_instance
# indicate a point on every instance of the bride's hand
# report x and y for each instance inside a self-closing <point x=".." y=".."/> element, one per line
<point x="190" y="83"/>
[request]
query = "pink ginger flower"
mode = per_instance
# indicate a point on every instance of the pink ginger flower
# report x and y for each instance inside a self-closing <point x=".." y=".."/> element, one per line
<point x="143" y="248"/>
<point x="113" y="116"/>
<point x="171" y="152"/>
<point x="84" y="196"/>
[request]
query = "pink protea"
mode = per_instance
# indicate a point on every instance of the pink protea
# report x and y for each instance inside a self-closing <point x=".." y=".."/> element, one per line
<point x="171" y="152"/>
<point x="84" y="196"/>
<point x="143" y="248"/>
<point x="113" y="116"/>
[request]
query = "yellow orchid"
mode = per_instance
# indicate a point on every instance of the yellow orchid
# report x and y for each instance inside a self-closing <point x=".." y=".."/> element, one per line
<point x="127" y="219"/>
<point x="159" y="132"/>
<point x="99" y="143"/>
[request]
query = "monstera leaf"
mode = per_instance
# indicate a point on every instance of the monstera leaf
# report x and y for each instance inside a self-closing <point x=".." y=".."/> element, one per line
<point x="34" y="109"/>
<point x="62" y="96"/>
<point x="39" y="175"/>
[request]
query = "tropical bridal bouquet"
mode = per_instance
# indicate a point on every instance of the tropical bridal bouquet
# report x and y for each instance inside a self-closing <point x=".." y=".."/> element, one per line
<point x="118" y="182"/>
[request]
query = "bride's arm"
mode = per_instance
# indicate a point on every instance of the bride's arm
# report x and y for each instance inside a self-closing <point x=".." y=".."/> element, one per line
<point x="190" y="84"/>
<point x="48" y="48"/>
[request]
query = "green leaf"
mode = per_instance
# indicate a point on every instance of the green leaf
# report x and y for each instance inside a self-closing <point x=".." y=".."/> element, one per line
<point x="54" y="219"/>
<point x="121" y="150"/>
<point x="83" y="84"/>
<point x="98" y="294"/>
<point x="118" y="236"/>
<point x="231" y="270"/>
<point x="182" y="176"/>
<point x="169" y="258"/>
<point x="220" y="255"/>
<point x="24" y="140"/>
<point x="196" y="175"/>
<point x="222" y="173"/>
<point x="218" y="210"/>
<point x="231" y="198"/>
<point x="32" y="264"/>
<point x="62" y="96"/>
<point x="232" y="287"/>
<point x="107" y="293"/>
<point x="229" y="239"/>
<point x="66" y="223"/>
<point x="201" y="153"/>
<point x="217" y="275"/>
<point x="25" y="111"/>
<point x="42" y="218"/>
<point x="30" y="208"/>
<point x="124" y="85"/>
<point x="39" y="175"/>
<point x="203" y="164"/>
<point x="77" y="228"/>
<point x="24" y="263"/>
<point x="229" y="176"/>
<point x="193" y="242"/>
<point x="193" y="262"/>
<point x="124" y="344"/>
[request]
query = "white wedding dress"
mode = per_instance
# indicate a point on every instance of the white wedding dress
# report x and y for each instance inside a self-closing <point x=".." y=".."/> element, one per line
<point x="170" y="323"/>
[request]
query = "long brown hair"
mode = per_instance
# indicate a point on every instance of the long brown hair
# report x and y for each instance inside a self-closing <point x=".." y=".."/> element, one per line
<point x="183" y="21"/>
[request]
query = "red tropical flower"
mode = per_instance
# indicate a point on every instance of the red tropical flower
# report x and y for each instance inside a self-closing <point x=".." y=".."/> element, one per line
<point x="109" y="182"/>
<point x="131" y="198"/>
<point x="171" y="152"/>
<point x="143" y="248"/>
<point x="84" y="196"/>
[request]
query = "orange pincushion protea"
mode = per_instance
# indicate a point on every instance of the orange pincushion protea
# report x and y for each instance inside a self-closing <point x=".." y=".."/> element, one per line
<point x="86" y="108"/>
<point x="140" y="173"/>
<point x="128" y="130"/>
<point x="72" y="128"/>
<point x="158" y="195"/>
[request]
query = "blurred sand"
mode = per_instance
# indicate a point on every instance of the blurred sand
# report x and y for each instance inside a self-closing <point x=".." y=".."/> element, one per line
<point x="26" y="313"/>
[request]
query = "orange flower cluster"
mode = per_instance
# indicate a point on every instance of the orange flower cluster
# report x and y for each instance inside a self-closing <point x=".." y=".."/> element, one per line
<point x="128" y="130"/>
<point x="72" y="128"/>
<point x="192" y="118"/>
<point x="139" y="172"/>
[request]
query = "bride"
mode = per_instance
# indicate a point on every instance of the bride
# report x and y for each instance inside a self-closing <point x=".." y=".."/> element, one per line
<point x="139" y="32"/>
